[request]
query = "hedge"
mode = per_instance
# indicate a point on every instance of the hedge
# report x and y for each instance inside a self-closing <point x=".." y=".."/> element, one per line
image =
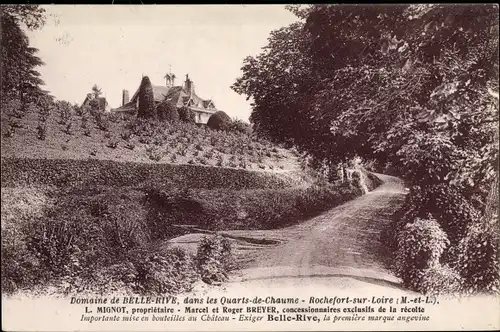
<point x="64" y="172"/>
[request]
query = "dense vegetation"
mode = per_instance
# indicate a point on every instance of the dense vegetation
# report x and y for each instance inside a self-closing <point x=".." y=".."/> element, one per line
<point x="105" y="236"/>
<point x="413" y="89"/>
<point x="146" y="107"/>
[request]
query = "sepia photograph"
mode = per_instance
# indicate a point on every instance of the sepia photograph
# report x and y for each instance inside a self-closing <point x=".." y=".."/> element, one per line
<point x="250" y="167"/>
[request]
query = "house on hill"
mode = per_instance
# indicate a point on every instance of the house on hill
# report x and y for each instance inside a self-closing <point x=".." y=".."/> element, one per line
<point x="103" y="104"/>
<point x="179" y="96"/>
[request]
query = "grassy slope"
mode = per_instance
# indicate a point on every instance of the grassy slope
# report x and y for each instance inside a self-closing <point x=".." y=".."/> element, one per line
<point x="182" y="144"/>
<point x="95" y="214"/>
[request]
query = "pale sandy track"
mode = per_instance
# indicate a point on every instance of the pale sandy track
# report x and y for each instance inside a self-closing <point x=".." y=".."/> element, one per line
<point x="345" y="240"/>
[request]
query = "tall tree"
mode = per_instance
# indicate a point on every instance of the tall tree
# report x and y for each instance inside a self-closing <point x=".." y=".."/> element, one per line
<point x="96" y="91"/>
<point x="403" y="84"/>
<point x="20" y="78"/>
<point x="146" y="99"/>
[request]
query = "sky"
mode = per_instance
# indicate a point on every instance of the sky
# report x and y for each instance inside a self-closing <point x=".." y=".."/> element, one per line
<point x="114" y="45"/>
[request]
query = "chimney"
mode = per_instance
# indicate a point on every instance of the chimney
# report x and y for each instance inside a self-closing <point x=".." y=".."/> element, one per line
<point x="188" y="85"/>
<point x="125" y="97"/>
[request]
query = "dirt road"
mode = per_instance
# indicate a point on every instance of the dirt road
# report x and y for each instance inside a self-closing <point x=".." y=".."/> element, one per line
<point x="344" y="241"/>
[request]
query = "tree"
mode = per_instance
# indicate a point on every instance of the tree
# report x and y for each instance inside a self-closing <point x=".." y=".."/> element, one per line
<point x="167" y="112"/>
<point x="405" y="85"/>
<point x="146" y="99"/>
<point x="186" y="115"/>
<point x="96" y="91"/>
<point x="240" y="126"/>
<point x="219" y="121"/>
<point x="20" y="79"/>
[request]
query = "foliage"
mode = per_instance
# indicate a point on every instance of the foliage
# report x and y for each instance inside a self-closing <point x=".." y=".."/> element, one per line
<point x="219" y="121"/>
<point x="253" y="209"/>
<point x="477" y="258"/>
<point x="20" y="78"/>
<point x="420" y="246"/>
<point x="186" y="115"/>
<point x="214" y="259"/>
<point x="413" y="87"/>
<point x="437" y="280"/>
<point x="146" y="99"/>
<point x="169" y="272"/>
<point x="167" y="112"/>
<point x="64" y="172"/>
<point x="449" y="206"/>
<point x="240" y="126"/>
<point x="96" y="91"/>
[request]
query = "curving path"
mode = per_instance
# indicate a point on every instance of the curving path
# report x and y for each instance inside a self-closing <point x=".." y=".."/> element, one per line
<point x="345" y="240"/>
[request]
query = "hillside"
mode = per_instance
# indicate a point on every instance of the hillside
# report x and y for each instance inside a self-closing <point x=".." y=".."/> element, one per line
<point x="66" y="134"/>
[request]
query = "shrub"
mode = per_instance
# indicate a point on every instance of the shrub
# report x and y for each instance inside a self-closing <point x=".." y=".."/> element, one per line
<point x="10" y="131"/>
<point x="214" y="259"/>
<point x="173" y="271"/>
<point x="187" y="115"/>
<point x="113" y="143"/>
<point x="167" y="112"/>
<point x="125" y="135"/>
<point x="41" y="130"/>
<point x="146" y="99"/>
<point x="68" y="129"/>
<point x="437" y="280"/>
<point x="20" y="267"/>
<point x="102" y="121"/>
<point x="140" y="127"/>
<point x="85" y="230"/>
<point x="219" y="121"/>
<point x="63" y="172"/>
<point x="64" y="109"/>
<point x="240" y="126"/>
<point x="420" y="246"/>
<point x="43" y="113"/>
<point x="12" y="107"/>
<point x="154" y="153"/>
<point x="478" y="259"/>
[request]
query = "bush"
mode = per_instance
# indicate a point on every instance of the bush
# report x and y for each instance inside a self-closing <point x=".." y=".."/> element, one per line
<point x="420" y="246"/>
<point x="20" y="267"/>
<point x="187" y="115"/>
<point x="65" y="110"/>
<point x="64" y="172"/>
<point x="171" y="272"/>
<point x="446" y="203"/>
<point x="437" y="280"/>
<point x="85" y="230"/>
<point x="478" y="259"/>
<point x="102" y="121"/>
<point x="167" y="112"/>
<point x="243" y="127"/>
<point x="42" y="130"/>
<point x="219" y="121"/>
<point x="112" y="143"/>
<point x="214" y="259"/>
<point x="154" y="153"/>
<point x="146" y="99"/>
<point x="12" y="107"/>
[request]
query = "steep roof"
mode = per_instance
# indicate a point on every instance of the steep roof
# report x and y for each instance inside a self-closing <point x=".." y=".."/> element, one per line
<point x="177" y="95"/>
<point x="159" y="93"/>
